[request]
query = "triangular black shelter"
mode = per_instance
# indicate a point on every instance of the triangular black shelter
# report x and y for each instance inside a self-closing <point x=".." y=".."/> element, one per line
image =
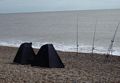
<point x="25" y="54"/>
<point x="48" y="57"/>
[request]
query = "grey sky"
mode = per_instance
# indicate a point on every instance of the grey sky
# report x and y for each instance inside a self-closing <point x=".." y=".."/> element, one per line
<point x="11" y="6"/>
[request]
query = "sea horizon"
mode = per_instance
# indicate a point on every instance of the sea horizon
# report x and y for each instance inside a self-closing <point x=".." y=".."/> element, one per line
<point x="53" y="11"/>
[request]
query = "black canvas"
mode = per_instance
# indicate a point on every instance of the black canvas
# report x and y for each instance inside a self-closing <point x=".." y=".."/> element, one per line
<point x="48" y="57"/>
<point x="25" y="54"/>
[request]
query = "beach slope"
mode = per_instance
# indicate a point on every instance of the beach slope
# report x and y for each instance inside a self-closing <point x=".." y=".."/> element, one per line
<point x="81" y="68"/>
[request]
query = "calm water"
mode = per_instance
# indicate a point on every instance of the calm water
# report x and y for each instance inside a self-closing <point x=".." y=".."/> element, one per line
<point x="59" y="28"/>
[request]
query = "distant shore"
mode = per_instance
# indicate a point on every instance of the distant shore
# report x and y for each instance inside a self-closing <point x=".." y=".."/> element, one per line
<point x="62" y="11"/>
<point x="82" y="68"/>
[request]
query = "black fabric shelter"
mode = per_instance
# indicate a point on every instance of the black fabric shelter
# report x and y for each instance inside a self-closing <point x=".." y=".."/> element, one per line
<point x="25" y="54"/>
<point x="48" y="57"/>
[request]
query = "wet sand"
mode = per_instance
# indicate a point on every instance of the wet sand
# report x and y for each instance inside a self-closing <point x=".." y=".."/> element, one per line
<point x="81" y="68"/>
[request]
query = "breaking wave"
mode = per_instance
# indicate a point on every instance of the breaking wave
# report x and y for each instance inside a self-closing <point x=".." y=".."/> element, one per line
<point x="62" y="47"/>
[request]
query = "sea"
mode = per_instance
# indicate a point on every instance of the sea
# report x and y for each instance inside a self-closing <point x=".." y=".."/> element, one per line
<point x="63" y="29"/>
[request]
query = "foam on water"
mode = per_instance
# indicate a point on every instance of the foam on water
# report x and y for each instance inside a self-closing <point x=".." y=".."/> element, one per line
<point x="62" y="47"/>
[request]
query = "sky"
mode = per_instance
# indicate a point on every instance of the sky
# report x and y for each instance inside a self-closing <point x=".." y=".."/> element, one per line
<point x="13" y="6"/>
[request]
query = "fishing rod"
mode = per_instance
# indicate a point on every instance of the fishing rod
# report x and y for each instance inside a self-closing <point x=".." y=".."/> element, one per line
<point x="77" y="45"/>
<point x="110" y="49"/>
<point x="94" y="35"/>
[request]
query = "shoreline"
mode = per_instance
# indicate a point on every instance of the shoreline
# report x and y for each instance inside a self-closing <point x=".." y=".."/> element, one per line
<point x="81" y="68"/>
<point x="66" y="49"/>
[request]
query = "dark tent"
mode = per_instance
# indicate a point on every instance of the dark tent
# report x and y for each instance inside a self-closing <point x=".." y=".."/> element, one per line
<point x="48" y="57"/>
<point x="25" y="54"/>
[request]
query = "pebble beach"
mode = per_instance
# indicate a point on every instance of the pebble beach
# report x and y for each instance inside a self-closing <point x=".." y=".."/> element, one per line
<point x="80" y="68"/>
